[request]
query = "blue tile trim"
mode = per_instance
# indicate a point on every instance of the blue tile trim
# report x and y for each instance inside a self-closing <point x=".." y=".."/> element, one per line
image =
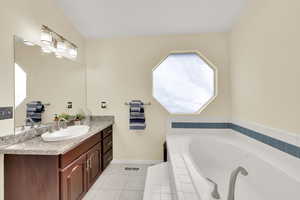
<point x="200" y="125"/>
<point x="278" y="144"/>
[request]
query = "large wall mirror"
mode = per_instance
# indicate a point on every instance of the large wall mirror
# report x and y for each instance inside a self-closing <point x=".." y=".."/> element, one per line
<point x="45" y="86"/>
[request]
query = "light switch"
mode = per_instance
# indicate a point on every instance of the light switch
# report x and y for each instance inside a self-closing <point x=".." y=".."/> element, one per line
<point x="69" y="105"/>
<point x="6" y="113"/>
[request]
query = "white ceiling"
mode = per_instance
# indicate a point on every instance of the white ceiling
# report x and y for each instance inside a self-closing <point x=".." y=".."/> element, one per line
<point x="119" y="18"/>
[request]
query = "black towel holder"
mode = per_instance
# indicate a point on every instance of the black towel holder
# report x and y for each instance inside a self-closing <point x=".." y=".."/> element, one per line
<point x="47" y="104"/>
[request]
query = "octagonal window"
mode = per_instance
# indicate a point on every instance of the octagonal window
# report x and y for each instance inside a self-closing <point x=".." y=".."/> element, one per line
<point x="184" y="83"/>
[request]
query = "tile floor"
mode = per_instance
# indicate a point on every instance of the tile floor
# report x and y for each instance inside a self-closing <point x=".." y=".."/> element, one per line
<point x="116" y="183"/>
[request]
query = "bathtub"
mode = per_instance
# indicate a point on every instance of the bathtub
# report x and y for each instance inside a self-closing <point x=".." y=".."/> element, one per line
<point x="273" y="175"/>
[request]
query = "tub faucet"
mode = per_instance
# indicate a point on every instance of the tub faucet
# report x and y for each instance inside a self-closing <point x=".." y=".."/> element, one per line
<point x="233" y="178"/>
<point x="215" y="193"/>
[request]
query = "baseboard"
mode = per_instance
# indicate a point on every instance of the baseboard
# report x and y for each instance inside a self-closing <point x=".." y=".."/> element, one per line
<point x="138" y="162"/>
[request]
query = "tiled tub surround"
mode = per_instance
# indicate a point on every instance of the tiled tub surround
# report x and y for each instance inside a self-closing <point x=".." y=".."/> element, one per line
<point x="194" y="157"/>
<point x="30" y="142"/>
<point x="158" y="185"/>
<point x="173" y="180"/>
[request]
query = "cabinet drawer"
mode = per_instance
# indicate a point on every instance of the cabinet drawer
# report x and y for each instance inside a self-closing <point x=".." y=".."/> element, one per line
<point x="107" y="158"/>
<point x="68" y="157"/>
<point x="107" y="143"/>
<point x="107" y="132"/>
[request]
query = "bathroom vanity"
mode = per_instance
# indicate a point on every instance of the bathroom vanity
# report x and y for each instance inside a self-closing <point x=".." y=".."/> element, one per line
<point x="57" y="170"/>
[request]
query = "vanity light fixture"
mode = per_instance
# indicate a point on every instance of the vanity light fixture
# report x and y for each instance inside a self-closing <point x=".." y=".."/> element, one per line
<point x="53" y="42"/>
<point x="28" y="43"/>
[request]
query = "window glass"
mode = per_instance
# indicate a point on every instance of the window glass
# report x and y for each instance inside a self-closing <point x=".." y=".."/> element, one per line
<point x="20" y="85"/>
<point x="183" y="83"/>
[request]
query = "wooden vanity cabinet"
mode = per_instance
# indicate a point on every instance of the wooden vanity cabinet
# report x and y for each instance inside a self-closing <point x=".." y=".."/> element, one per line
<point x="58" y="177"/>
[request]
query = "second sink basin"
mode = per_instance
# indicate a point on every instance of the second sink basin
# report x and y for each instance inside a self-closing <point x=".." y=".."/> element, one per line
<point x="65" y="134"/>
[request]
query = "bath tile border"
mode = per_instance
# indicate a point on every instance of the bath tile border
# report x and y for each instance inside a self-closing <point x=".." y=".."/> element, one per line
<point x="278" y="144"/>
<point x="206" y="125"/>
<point x="271" y="141"/>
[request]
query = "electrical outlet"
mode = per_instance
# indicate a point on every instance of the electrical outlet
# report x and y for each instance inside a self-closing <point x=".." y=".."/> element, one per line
<point x="6" y="113"/>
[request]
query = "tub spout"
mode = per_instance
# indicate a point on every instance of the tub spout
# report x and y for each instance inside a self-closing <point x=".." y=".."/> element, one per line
<point x="215" y="193"/>
<point x="233" y="179"/>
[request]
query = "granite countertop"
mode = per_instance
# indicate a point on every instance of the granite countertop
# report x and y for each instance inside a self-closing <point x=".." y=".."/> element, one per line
<point x="36" y="146"/>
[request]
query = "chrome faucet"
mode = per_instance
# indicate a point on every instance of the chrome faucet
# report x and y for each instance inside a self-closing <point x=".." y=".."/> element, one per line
<point x="49" y="129"/>
<point x="215" y="193"/>
<point x="60" y="121"/>
<point x="233" y="178"/>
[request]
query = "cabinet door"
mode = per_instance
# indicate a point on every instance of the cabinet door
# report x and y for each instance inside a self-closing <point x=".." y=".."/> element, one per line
<point x="94" y="164"/>
<point x="73" y="180"/>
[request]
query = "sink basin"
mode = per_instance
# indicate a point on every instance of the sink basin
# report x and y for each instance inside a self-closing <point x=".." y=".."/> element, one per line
<point x="65" y="134"/>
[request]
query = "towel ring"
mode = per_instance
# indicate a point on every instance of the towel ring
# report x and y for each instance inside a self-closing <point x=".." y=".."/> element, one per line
<point x="145" y="104"/>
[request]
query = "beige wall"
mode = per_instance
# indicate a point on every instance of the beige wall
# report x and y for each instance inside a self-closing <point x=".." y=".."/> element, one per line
<point x="265" y="64"/>
<point x="119" y="70"/>
<point x="24" y="18"/>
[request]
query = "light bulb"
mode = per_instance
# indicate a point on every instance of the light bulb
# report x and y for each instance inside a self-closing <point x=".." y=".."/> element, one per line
<point x="46" y="49"/>
<point x="46" y="37"/>
<point x="73" y="52"/>
<point x="61" y="47"/>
